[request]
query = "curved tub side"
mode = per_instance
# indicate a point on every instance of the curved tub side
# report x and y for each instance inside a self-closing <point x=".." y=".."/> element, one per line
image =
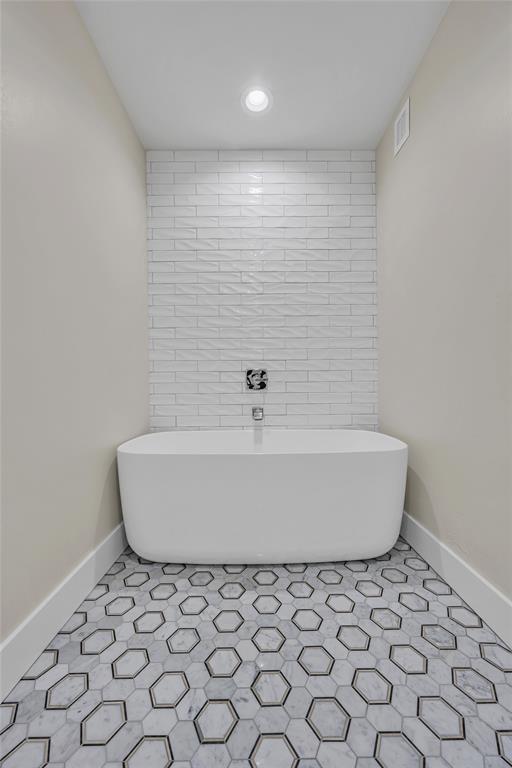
<point x="262" y="508"/>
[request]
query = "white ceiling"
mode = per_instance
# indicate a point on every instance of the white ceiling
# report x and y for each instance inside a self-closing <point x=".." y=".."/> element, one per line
<point x="336" y="69"/>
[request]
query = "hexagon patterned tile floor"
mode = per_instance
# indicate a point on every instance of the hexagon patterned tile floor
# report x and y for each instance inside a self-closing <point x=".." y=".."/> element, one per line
<point x="375" y="664"/>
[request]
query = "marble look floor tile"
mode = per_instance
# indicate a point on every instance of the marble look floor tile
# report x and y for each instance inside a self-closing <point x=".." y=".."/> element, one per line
<point x="103" y="722"/>
<point x="328" y="719"/>
<point x="364" y="664"/>
<point x="169" y="689"/>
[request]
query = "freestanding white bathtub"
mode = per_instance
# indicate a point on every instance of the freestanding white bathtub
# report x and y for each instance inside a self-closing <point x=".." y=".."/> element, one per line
<point x="270" y="496"/>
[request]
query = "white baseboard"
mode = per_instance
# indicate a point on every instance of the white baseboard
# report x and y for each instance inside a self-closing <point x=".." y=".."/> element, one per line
<point x="493" y="606"/>
<point x="30" y="638"/>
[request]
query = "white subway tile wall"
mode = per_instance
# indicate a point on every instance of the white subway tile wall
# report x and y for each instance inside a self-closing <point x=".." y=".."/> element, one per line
<point x="262" y="259"/>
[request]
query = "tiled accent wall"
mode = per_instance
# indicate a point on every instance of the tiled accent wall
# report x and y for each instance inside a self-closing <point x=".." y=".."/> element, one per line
<point x="262" y="259"/>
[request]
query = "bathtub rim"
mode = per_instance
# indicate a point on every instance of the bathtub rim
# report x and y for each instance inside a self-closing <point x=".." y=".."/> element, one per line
<point x="378" y="442"/>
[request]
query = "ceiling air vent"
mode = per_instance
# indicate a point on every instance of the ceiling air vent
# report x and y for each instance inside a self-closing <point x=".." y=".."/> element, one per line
<point x="402" y="128"/>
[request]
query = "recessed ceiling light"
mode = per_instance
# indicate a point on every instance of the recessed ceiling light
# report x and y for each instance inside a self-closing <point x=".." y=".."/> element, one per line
<point x="257" y="100"/>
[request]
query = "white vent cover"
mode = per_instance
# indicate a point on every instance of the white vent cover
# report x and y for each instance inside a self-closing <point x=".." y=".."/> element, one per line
<point x="402" y="128"/>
